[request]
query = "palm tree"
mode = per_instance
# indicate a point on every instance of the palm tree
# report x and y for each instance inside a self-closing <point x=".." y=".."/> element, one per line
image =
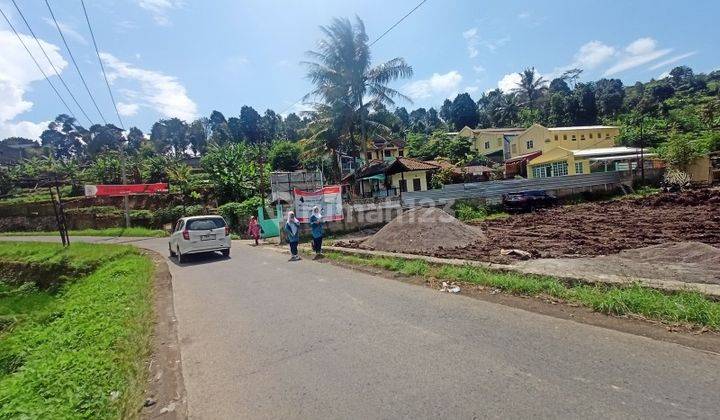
<point x="507" y="111"/>
<point x="531" y="86"/>
<point x="344" y="78"/>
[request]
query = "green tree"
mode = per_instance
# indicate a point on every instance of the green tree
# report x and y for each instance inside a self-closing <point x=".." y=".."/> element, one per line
<point x="219" y="131"/>
<point x="530" y="87"/>
<point x="170" y="136"/>
<point x="250" y="124"/>
<point x="232" y="171"/>
<point x="609" y="96"/>
<point x="293" y="127"/>
<point x="680" y="150"/>
<point x="404" y="117"/>
<point x="285" y="156"/>
<point x="135" y="139"/>
<point x="64" y="137"/>
<point x="464" y="112"/>
<point x="446" y="111"/>
<point x="103" y="138"/>
<point x="198" y="134"/>
<point x="344" y="77"/>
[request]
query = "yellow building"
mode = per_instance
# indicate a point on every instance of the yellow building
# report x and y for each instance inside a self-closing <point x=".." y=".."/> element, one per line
<point x="501" y="144"/>
<point x="408" y="174"/>
<point x="490" y="142"/>
<point x="382" y="149"/>
<point x="545" y="139"/>
<point x="561" y="161"/>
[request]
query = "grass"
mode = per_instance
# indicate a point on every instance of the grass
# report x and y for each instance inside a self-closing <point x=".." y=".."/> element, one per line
<point x="679" y="307"/>
<point x="27" y="195"/>
<point x="78" y="352"/>
<point x="109" y="232"/>
<point x="468" y="211"/>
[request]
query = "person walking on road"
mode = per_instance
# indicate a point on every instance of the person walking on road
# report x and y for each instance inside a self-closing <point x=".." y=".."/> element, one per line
<point x="317" y="231"/>
<point x="292" y="228"/>
<point x="254" y="229"/>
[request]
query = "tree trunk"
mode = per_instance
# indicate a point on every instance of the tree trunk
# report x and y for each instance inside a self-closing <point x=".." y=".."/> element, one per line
<point x="363" y="132"/>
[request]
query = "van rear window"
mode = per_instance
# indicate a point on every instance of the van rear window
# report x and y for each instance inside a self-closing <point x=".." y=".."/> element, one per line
<point x="206" y="224"/>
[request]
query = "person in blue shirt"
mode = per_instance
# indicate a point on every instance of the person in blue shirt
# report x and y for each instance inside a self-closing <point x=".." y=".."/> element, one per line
<point x="317" y="230"/>
<point x="292" y="228"/>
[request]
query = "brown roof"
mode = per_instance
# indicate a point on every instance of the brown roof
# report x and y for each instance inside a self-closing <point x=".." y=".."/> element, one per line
<point x="478" y="169"/>
<point x="405" y="164"/>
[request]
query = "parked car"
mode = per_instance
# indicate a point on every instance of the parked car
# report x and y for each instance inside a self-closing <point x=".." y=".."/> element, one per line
<point x="199" y="234"/>
<point x="527" y="200"/>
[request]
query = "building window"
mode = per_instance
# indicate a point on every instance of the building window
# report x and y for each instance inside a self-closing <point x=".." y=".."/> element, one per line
<point x="529" y="144"/>
<point x="599" y="135"/>
<point x="564" y="136"/>
<point x="578" y="167"/>
<point x="556" y="137"/>
<point x="550" y="169"/>
<point x="369" y="155"/>
<point x="590" y="135"/>
<point x="573" y="138"/>
<point x="416" y="184"/>
<point x="559" y="168"/>
<point x="582" y="136"/>
<point x="607" y="135"/>
<point x="487" y="144"/>
<point x="387" y="153"/>
<point x="403" y="185"/>
<point x="401" y="152"/>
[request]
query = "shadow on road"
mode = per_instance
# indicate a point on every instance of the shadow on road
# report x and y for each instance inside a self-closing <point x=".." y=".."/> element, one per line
<point x="198" y="259"/>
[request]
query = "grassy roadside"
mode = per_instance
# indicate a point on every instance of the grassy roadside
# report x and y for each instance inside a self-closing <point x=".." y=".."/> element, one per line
<point x="79" y="351"/>
<point x="110" y="232"/>
<point x="681" y="307"/>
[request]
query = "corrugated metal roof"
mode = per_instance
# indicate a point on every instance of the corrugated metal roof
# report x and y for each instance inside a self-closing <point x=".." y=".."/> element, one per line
<point x="582" y="127"/>
<point x="605" y="151"/>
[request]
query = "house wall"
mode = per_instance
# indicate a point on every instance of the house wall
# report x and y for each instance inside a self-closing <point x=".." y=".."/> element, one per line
<point x="546" y="139"/>
<point x="493" y="141"/>
<point x="700" y="170"/>
<point x="409" y="176"/>
<point x="380" y="154"/>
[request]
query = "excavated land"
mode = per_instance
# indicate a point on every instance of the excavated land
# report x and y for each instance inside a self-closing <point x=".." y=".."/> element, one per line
<point x="582" y="230"/>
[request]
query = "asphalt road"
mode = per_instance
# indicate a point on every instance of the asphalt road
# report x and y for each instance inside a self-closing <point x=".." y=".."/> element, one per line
<point x="265" y="338"/>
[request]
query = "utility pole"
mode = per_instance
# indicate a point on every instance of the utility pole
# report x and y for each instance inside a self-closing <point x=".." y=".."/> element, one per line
<point x="642" y="152"/>
<point x="126" y="203"/>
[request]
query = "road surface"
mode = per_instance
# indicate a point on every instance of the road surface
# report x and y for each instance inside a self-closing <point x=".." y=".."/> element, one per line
<point x="265" y="338"/>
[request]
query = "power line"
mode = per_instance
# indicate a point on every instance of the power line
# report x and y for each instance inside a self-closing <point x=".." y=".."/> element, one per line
<point x="72" y="58"/>
<point x="37" y="64"/>
<point x="102" y="67"/>
<point x="397" y="23"/>
<point x="372" y="43"/>
<point x="57" y="73"/>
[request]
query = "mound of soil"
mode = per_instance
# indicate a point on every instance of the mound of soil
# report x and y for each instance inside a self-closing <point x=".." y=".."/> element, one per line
<point x="423" y="230"/>
<point x="690" y="262"/>
<point x="598" y="228"/>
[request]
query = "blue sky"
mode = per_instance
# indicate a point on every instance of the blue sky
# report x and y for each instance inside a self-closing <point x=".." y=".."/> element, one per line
<point x="186" y="58"/>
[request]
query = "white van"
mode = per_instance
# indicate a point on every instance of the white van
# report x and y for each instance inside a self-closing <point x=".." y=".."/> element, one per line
<point x="199" y="234"/>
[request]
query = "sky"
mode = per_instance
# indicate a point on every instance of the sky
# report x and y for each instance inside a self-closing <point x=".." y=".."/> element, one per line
<point x="186" y="58"/>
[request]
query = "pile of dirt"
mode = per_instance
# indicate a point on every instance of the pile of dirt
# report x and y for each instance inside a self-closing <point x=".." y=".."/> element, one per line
<point x="598" y="228"/>
<point x="423" y="230"/>
<point x="690" y="262"/>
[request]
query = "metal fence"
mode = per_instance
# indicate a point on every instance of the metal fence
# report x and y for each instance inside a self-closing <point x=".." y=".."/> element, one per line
<point x="492" y="191"/>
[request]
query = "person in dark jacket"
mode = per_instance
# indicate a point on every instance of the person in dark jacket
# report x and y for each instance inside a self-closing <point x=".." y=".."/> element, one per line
<point x="317" y="231"/>
<point x="292" y="229"/>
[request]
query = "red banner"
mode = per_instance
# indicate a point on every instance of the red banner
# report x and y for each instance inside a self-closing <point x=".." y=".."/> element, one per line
<point x="328" y="199"/>
<point x="120" y="190"/>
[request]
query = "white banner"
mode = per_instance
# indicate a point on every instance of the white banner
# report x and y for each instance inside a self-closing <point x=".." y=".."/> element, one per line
<point x="329" y="199"/>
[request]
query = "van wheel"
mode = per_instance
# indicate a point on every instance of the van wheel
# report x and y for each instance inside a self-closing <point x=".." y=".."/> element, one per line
<point x="172" y="254"/>
<point x="180" y="257"/>
<point x="225" y="253"/>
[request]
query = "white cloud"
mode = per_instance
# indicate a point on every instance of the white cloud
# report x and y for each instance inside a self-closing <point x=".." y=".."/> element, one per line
<point x="509" y="82"/>
<point x="128" y="110"/>
<point x="160" y="9"/>
<point x="67" y="30"/>
<point x="672" y="60"/>
<point x="163" y="93"/>
<point x="437" y="84"/>
<point x="479" y="69"/>
<point x="473" y="39"/>
<point x="18" y="74"/>
<point x="639" y="52"/>
<point x="524" y="15"/>
<point x="664" y="75"/>
<point x="593" y="54"/>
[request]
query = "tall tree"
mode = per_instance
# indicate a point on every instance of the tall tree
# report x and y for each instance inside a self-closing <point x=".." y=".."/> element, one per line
<point x="219" y="132"/>
<point x="464" y="112"/>
<point x="198" y="134"/>
<point x="343" y="74"/>
<point x="135" y="138"/>
<point x="293" y="126"/>
<point x="609" y="95"/>
<point x="271" y="125"/>
<point x="584" y="95"/>
<point x="64" y="136"/>
<point x="403" y="116"/>
<point x="531" y="86"/>
<point x="446" y="111"/>
<point x="170" y="136"/>
<point x="250" y="124"/>
<point x="103" y="138"/>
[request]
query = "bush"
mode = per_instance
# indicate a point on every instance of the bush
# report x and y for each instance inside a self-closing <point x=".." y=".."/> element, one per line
<point x="96" y="210"/>
<point x="172" y="214"/>
<point x="237" y="214"/>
